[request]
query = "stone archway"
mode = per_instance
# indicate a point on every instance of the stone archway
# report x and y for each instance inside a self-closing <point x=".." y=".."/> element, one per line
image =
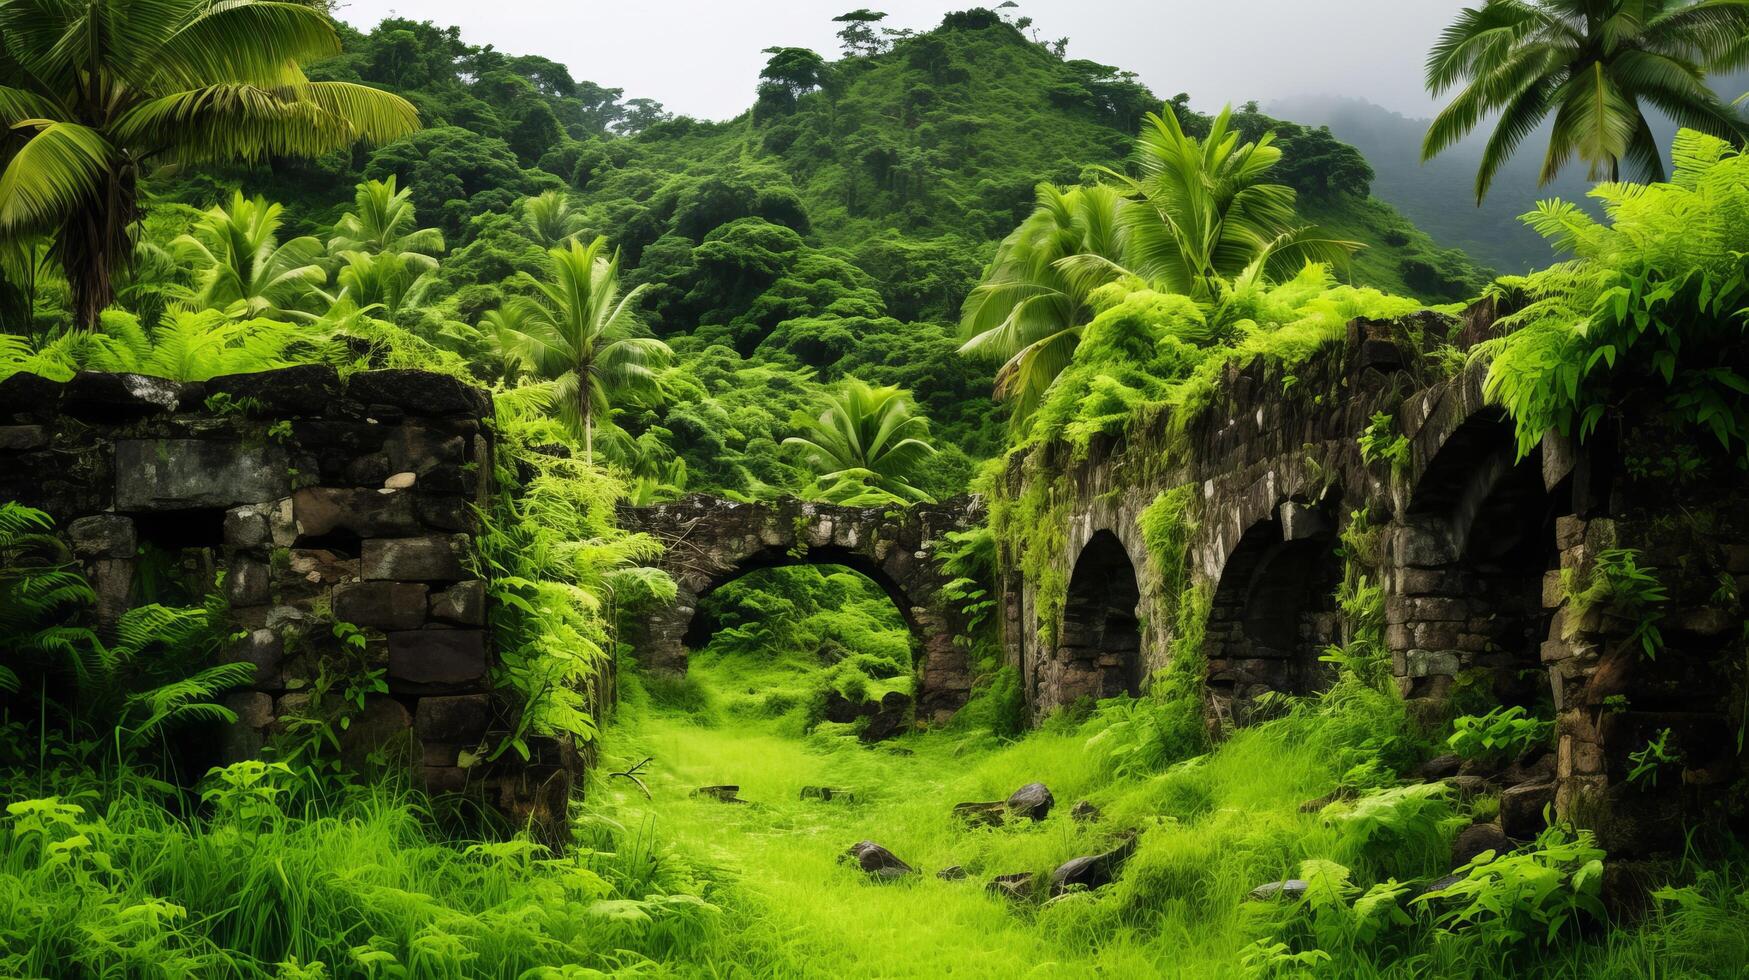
<point x="709" y="541"/>
<point x="1273" y="612"/>
<point x="1099" y="641"/>
<point x="1473" y="566"/>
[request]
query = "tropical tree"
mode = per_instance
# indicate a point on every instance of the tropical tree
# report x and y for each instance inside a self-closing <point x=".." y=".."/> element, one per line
<point x="391" y="281"/>
<point x="576" y="334"/>
<point x="1195" y="215"/>
<point x="550" y="219"/>
<point x="92" y="94"/>
<point x="238" y="261"/>
<point x="867" y="440"/>
<point x="1204" y="211"/>
<point x="383" y="222"/>
<point x="1027" y="314"/>
<point x="1595" y="66"/>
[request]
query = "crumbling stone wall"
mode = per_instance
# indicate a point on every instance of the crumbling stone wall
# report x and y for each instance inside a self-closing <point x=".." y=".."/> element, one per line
<point x="314" y="502"/>
<point x="1475" y="549"/>
<point x="709" y="541"/>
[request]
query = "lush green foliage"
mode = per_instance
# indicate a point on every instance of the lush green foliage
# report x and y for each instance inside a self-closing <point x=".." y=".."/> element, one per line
<point x="1592" y="66"/>
<point x="108" y="89"/>
<point x="1650" y="311"/>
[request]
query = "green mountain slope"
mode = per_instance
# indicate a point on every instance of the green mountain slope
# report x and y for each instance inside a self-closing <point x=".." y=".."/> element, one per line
<point x="833" y="229"/>
<point x="932" y="148"/>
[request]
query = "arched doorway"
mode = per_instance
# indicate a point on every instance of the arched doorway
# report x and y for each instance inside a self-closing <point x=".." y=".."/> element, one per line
<point x="1099" y="642"/>
<point x="1273" y="613"/>
<point x="803" y="645"/>
<point x="1473" y="597"/>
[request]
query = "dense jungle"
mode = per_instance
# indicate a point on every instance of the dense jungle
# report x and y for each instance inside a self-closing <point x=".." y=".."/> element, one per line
<point x="966" y="515"/>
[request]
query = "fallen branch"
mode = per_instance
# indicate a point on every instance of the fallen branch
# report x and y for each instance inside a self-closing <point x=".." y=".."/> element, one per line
<point x="632" y="774"/>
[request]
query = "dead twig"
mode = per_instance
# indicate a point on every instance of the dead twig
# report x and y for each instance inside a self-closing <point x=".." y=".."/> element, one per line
<point x="632" y="774"/>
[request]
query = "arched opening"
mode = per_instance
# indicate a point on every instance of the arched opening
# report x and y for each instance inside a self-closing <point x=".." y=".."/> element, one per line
<point x="800" y="645"/>
<point x="1274" y="613"/>
<point x="1474" y="591"/>
<point x="1099" y="642"/>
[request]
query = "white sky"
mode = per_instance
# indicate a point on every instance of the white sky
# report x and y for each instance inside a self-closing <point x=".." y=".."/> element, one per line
<point x="702" y="57"/>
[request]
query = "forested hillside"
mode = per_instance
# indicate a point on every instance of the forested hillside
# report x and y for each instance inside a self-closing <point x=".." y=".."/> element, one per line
<point x="832" y="230"/>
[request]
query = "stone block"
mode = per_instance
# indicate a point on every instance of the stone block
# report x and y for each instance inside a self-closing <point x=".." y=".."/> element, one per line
<point x="380" y="728"/>
<point x="246" y="527"/>
<point x="264" y="649"/>
<point x="247" y="582"/>
<point x="427" y="558"/>
<point x="30" y="395"/>
<point x="419" y="393"/>
<point x="1554" y="592"/>
<point x="443" y="511"/>
<point x="419" y="450"/>
<point x="18" y="438"/>
<point x="304" y="389"/>
<point x="463" y="604"/>
<point x="456" y="720"/>
<point x="188" y="474"/>
<point x="103" y="397"/>
<point x="381" y="605"/>
<point x="1428" y="663"/>
<point x="252" y="708"/>
<point x="320" y="567"/>
<point x="1521" y="809"/>
<point x="437" y="660"/>
<point x="103" y="536"/>
<point x="365" y="512"/>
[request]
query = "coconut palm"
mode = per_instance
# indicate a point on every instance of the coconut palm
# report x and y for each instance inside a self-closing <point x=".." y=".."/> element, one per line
<point x="382" y="222"/>
<point x="1595" y="65"/>
<point x="94" y="93"/>
<point x="239" y="262"/>
<point x="868" y="438"/>
<point x="1204" y="210"/>
<point x="1196" y="214"/>
<point x="550" y="218"/>
<point x="576" y="334"/>
<point x="1027" y="315"/>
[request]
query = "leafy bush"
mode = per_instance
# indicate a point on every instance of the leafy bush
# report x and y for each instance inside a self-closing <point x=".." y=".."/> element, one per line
<point x="1501" y="733"/>
<point x="1531" y="896"/>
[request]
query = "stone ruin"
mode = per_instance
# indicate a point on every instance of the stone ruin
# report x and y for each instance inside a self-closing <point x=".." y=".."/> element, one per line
<point x="1474" y="550"/>
<point x="709" y="541"/>
<point x="313" y="501"/>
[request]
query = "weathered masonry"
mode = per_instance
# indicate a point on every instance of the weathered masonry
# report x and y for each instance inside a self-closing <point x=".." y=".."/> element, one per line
<point x="709" y="541"/>
<point x="312" y="502"/>
<point x="1469" y="542"/>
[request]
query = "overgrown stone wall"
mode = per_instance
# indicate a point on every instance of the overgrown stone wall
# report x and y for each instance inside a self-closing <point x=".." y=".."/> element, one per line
<point x="309" y="502"/>
<point x="709" y="541"/>
<point x="1478" y="553"/>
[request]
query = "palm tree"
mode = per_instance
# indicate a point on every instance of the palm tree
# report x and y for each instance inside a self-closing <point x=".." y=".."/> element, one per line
<point x="237" y="259"/>
<point x="867" y="438"/>
<point x="1204" y="211"/>
<point x="383" y="222"/>
<point x="391" y="281"/>
<point x="575" y="333"/>
<point x="550" y="219"/>
<point x="1027" y="314"/>
<point x="1595" y="65"/>
<point x="95" y="92"/>
<point x="1198" y="213"/>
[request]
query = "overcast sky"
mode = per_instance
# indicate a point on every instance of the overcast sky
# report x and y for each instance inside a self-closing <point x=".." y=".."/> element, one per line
<point x="702" y="57"/>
